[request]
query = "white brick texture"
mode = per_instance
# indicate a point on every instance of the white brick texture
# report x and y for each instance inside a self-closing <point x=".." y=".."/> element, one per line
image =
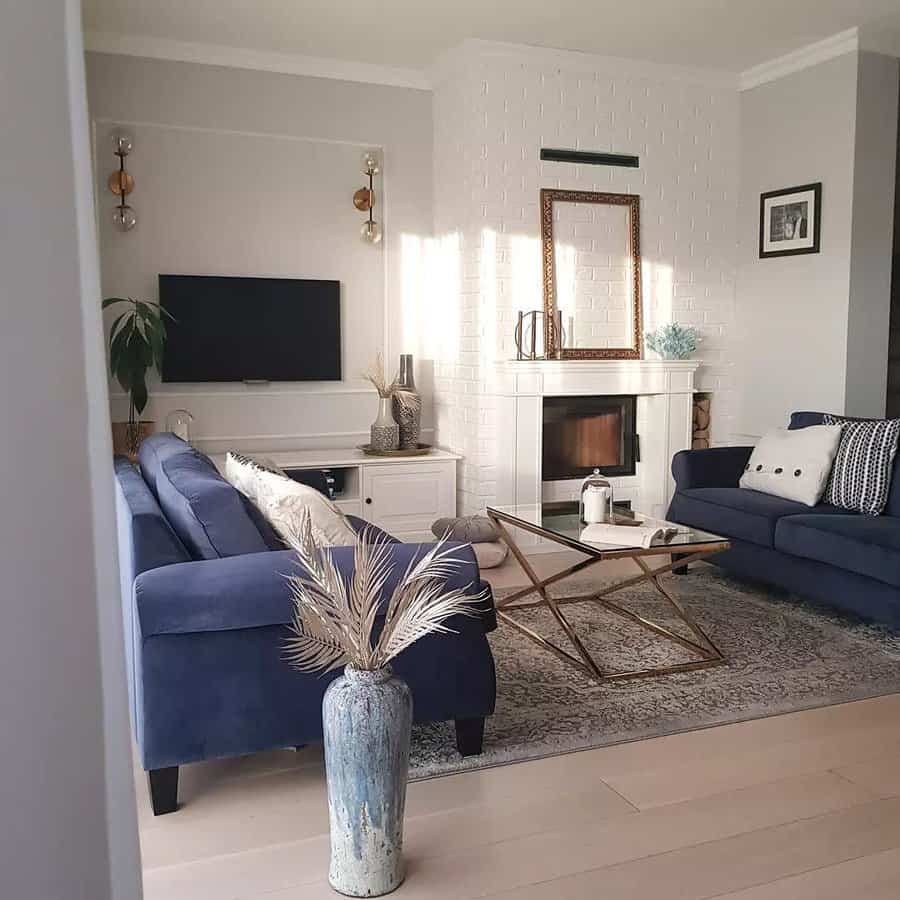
<point x="493" y="111"/>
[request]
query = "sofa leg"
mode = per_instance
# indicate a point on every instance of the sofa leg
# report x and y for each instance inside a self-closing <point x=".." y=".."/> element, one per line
<point x="163" y="790"/>
<point x="469" y="736"/>
<point x="679" y="570"/>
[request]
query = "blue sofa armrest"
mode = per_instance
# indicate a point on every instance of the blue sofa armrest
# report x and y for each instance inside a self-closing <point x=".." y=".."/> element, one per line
<point x="250" y="591"/>
<point x="715" y="467"/>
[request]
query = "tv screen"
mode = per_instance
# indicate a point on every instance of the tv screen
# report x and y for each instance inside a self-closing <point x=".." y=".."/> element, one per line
<point x="251" y="329"/>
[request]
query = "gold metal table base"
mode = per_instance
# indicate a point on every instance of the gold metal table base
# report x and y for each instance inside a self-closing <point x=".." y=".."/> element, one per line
<point x="705" y="650"/>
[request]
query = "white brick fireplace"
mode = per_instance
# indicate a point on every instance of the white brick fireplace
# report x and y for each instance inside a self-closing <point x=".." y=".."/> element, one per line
<point x="495" y="106"/>
<point x="664" y="393"/>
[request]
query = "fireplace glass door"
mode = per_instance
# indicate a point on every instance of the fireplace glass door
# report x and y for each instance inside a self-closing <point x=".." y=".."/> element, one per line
<point x="581" y="434"/>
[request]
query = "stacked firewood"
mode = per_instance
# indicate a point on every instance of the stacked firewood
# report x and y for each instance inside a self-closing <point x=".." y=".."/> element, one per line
<point x="700" y="431"/>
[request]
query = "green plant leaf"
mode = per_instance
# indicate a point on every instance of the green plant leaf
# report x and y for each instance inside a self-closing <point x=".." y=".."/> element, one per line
<point x="109" y="301"/>
<point x="124" y="373"/>
<point x="144" y="310"/>
<point x="132" y="353"/>
<point x="147" y="352"/>
<point x="116" y="322"/>
<point x="118" y="348"/>
<point x="139" y="392"/>
<point x="156" y="342"/>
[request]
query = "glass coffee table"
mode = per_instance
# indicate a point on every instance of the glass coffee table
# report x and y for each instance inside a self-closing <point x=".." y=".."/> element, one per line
<point x="560" y="523"/>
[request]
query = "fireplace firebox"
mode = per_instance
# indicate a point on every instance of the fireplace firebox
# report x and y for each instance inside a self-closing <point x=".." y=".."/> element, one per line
<point x="581" y="434"/>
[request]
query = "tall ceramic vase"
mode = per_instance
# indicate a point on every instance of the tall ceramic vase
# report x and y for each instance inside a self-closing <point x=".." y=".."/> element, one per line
<point x="409" y="413"/>
<point x="366" y="718"/>
<point x="384" y="434"/>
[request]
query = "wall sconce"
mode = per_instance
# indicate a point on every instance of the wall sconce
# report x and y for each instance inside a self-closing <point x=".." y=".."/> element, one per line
<point x="364" y="198"/>
<point x="121" y="183"/>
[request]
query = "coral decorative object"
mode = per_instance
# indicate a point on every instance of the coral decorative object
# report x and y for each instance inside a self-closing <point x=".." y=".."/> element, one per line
<point x="673" y="341"/>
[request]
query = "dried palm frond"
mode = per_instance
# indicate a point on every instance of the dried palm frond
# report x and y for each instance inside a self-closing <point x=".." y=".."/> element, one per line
<point x="333" y="622"/>
<point x="376" y="377"/>
<point x="409" y="401"/>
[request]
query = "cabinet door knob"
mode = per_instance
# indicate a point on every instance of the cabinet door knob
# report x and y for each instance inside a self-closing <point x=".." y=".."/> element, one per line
<point x="368" y="499"/>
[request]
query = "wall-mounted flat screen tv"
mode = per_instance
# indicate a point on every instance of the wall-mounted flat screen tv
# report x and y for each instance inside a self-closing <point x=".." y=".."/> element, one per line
<point x="251" y="329"/>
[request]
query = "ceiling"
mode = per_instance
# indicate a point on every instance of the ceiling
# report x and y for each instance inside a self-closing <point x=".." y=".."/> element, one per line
<point x="730" y="35"/>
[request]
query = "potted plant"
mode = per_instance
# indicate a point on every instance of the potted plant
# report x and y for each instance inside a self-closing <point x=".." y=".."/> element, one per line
<point x="367" y="712"/>
<point x="136" y="341"/>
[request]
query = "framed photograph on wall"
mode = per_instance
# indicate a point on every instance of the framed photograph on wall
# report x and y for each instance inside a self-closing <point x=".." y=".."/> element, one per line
<point x="790" y="220"/>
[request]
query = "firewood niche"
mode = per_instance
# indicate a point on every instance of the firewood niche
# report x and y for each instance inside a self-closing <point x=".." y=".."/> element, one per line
<point x="701" y="422"/>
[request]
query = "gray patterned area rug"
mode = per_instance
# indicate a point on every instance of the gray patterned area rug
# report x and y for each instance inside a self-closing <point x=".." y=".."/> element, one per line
<point x="783" y="655"/>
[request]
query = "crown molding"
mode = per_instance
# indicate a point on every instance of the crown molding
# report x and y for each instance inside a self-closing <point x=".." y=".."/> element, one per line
<point x="368" y="73"/>
<point x="470" y="50"/>
<point x="811" y="55"/>
<point x="878" y="38"/>
<point x="262" y="61"/>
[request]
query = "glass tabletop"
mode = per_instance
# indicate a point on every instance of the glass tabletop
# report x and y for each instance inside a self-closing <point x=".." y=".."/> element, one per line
<point x="561" y="522"/>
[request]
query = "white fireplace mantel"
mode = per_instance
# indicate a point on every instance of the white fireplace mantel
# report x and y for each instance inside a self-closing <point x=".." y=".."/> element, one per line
<point x="664" y="391"/>
<point x="555" y="378"/>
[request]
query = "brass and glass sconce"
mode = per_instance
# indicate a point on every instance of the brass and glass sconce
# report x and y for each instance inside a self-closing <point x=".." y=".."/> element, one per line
<point x="364" y="198"/>
<point x="121" y="183"/>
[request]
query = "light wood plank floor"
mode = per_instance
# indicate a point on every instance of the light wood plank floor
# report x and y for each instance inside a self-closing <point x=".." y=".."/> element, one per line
<point x="792" y="807"/>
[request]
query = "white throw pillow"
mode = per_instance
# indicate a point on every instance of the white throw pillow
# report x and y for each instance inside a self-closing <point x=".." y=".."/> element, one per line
<point x="793" y="464"/>
<point x="284" y="501"/>
<point x="241" y="471"/>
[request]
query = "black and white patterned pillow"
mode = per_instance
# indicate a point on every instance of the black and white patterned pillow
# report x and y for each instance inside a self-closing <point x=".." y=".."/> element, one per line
<point x="861" y="476"/>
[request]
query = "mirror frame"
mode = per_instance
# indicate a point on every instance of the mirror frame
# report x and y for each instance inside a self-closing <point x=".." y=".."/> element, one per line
<point x="552" y="342"/>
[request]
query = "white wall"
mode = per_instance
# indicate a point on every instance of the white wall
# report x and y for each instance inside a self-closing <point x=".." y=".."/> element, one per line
<point x="68" y="815"/>
<point x="495" y="107"/>
<point x="252" y="173"/>
<point x="809" y="338"/>
<point x="792" y="311"/>
<point x="871" y="249"/>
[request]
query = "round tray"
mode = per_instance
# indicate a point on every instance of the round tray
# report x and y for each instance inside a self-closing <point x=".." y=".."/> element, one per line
<point x="421" y="450"/>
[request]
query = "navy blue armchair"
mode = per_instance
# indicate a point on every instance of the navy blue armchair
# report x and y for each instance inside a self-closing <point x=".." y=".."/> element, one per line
<point x="205" y="627"/>
<point x="830" y="555"/>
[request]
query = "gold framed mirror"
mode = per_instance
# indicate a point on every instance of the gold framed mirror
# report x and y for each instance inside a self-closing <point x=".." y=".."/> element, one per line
<point x="591" y="260"/>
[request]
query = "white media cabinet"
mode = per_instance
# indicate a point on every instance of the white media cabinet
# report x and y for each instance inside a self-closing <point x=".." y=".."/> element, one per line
<point x="402" y="495"/>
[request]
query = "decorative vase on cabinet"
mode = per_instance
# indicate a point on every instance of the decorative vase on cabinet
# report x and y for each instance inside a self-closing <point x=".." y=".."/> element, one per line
<point x="385" y="432"/>
<point x="408" y="405"/>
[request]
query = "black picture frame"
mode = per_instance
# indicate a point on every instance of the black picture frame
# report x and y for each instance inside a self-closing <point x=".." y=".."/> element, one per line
<point x="814" y="221"/>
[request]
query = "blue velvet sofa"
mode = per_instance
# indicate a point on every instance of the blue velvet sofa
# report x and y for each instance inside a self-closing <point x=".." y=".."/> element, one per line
<point x="205" y="608"/>
<point x="843" y="559"/>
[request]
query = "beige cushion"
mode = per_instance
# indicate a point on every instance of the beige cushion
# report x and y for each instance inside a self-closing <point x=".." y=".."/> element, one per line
<point x="490" y="554"/>
<point x="284" y="502"/>
<point x="471" y="529"/>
